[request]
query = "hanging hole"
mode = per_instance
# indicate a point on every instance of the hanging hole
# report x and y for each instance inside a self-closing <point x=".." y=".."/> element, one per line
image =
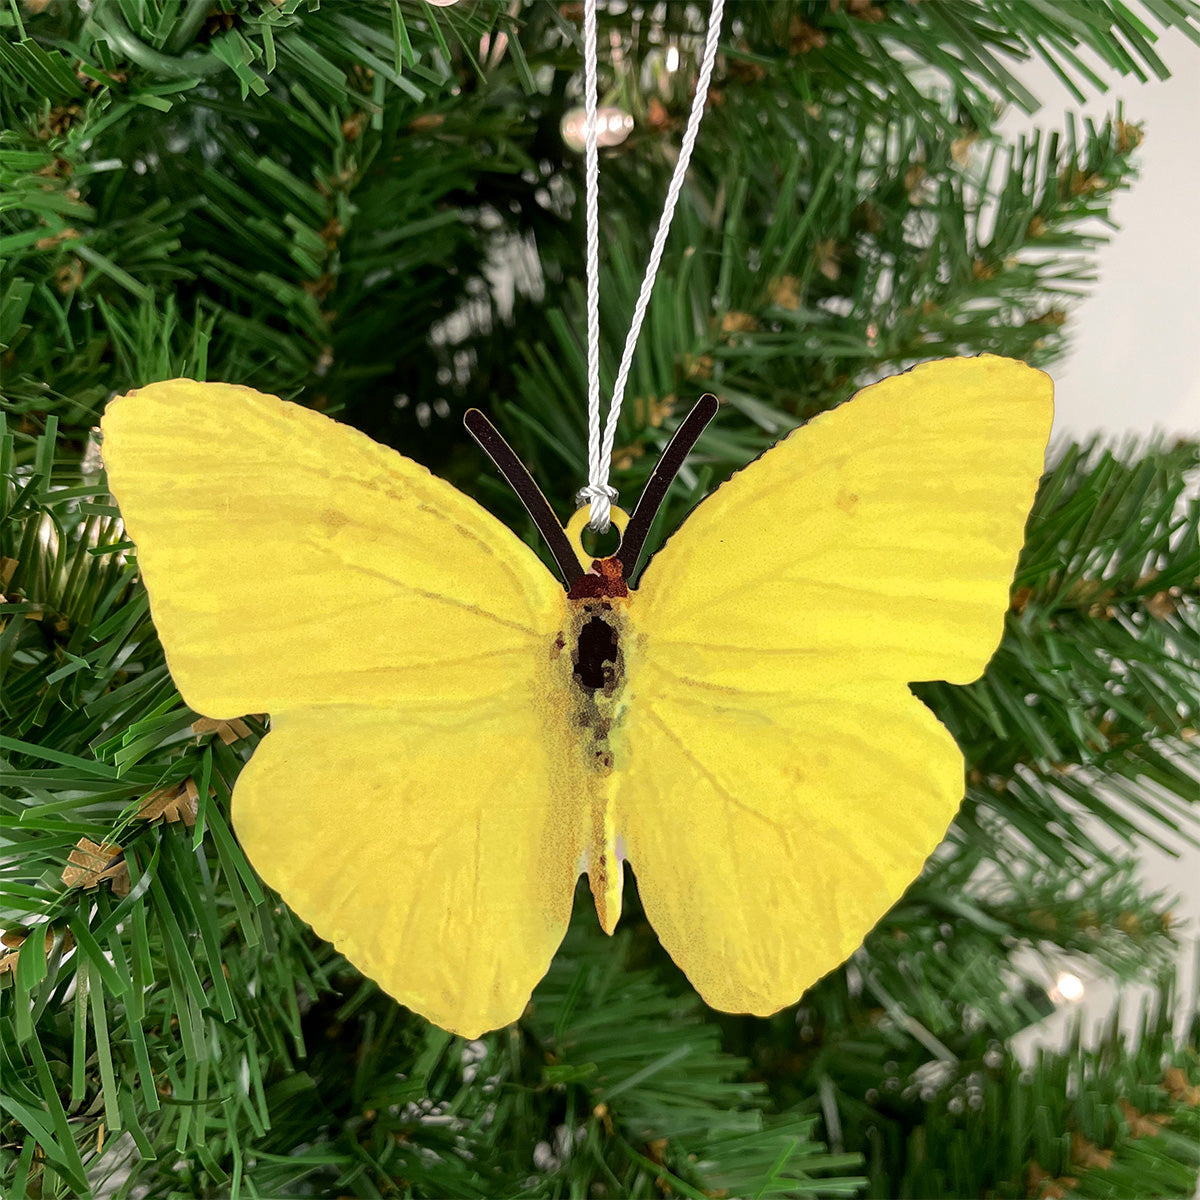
<point x="587" y="543"/>
<point x="601" y="545"/>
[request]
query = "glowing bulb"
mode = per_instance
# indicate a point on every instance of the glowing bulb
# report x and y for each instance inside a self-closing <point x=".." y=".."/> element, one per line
<point x="613" y="126"/>
<point x="1069" y="987"/>
<point x="672" y="58"/>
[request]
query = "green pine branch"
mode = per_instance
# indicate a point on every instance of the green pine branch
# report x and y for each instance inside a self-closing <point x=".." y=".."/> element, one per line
<point x="317" y="199"/>
<point x="1116" y="1119"/>
<point x="98" y="728"/>
<point x="1091" y="696"/>
<point x="863" y="264"/>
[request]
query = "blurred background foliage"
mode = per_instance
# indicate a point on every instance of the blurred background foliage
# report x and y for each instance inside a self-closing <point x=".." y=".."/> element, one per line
<point x="369" y="207"/>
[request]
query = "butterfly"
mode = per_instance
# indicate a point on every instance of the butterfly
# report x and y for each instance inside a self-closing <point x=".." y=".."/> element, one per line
<point x="456" y="734"/>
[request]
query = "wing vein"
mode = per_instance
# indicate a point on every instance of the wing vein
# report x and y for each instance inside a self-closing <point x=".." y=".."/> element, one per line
<point x="783" y="834"/>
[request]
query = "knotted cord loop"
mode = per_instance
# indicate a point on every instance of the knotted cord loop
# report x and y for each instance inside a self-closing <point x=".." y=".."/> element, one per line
<point x="600" y="497"/>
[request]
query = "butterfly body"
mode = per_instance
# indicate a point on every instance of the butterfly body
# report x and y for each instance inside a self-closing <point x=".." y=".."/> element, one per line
<point x="455" y="735"/>
<point x="595" y="647"/>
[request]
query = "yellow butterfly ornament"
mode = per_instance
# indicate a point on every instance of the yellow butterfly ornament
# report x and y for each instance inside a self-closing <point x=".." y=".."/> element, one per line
<point x="456" y="736"/>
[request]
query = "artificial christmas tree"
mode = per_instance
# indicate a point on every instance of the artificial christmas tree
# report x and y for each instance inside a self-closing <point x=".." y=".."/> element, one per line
<point x="370" y="208"/>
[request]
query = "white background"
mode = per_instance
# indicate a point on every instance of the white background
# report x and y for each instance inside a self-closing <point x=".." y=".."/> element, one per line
<point x="1135" y="361"/>
<point x="1134" y="364"/>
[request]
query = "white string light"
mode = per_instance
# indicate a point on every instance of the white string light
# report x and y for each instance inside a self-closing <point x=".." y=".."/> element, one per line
<point x="598" y="493"/>
<point x="613" y="126"/>
<point x="1067" y="987"/>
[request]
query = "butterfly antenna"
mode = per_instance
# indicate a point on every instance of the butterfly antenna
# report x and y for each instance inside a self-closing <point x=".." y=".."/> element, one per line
<point x="528" y="492"/>
<point x="653" y="494"/>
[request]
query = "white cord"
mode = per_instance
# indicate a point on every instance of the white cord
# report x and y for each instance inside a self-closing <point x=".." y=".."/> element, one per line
<point x="598" y="492"/>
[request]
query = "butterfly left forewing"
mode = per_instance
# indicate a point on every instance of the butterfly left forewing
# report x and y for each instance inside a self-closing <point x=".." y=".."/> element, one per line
<point x="291" y="561"/>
